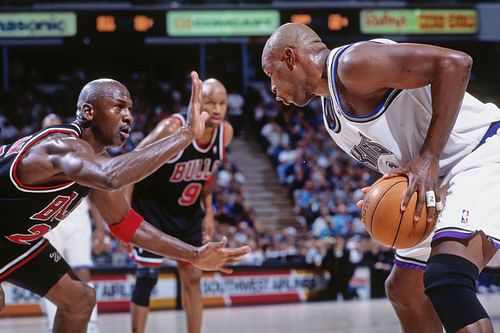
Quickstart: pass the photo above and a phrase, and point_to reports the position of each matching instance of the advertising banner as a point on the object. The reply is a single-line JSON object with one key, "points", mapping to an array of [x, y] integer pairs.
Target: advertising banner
{"points": [[419, 21], [37, 24], [222, 23], [242, 287]]}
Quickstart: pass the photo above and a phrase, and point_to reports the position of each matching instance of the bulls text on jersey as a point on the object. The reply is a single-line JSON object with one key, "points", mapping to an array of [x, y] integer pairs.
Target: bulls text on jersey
{"points": [[199, 169]]}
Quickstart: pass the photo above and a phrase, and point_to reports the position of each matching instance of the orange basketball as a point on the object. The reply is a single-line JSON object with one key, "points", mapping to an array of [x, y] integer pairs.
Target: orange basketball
{"points": [[384, 220]]}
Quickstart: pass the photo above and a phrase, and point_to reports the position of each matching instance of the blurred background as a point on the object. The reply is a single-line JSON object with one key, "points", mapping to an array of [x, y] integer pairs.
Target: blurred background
{"points": [[284, 188]]}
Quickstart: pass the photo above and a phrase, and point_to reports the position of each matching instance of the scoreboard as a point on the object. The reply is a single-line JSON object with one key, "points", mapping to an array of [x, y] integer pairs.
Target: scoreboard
{"points": [[130, 25]]}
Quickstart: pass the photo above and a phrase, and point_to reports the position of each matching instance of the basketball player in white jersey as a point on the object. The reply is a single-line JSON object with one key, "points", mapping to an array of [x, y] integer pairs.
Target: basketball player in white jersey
{"points": [[403, 109], [73, 240]]}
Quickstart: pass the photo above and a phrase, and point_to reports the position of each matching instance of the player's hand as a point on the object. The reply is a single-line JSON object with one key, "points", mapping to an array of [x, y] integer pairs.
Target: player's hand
{"points": [[422, 173], [214, 256], [365, 190], [2, 298], [195, 117], [208, 228]]}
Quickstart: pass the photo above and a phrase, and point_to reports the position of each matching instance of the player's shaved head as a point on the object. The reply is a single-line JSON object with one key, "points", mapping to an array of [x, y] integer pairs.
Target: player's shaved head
{"points": [[293, 35], [96, 91], [100, 88], [212, 86]]}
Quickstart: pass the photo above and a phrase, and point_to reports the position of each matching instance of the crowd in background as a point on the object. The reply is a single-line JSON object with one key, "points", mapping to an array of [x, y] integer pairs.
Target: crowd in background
{"points": [[322, 181]]}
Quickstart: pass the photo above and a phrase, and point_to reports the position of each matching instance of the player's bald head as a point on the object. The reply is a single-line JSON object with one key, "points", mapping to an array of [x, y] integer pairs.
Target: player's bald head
{"points": [[212, 86], [101, 88], [96, 92], [293, 35]]}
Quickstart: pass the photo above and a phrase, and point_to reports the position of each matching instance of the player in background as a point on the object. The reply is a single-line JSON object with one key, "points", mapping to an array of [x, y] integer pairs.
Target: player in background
{"points": [[403, 109], [44, 176], [177, 199]]}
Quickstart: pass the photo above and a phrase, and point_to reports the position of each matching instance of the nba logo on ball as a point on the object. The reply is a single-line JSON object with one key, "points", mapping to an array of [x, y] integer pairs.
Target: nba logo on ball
{"points": [[465, 216]]}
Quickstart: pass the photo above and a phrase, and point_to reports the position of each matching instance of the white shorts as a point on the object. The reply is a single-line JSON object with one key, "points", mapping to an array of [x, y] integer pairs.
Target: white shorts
{"points": [[73, 237], [470, 203]]}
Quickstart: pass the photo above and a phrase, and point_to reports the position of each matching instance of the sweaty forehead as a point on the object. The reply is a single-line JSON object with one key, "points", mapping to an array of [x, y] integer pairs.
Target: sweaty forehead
{"points": [[116, 91]]}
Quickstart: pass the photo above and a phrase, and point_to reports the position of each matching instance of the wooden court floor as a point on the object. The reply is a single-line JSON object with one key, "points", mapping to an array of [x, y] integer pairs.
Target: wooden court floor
{"points": [[339, 317]]}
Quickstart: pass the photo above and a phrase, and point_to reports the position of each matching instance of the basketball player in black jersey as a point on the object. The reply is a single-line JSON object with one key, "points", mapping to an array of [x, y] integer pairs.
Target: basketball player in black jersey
{"points": [[177, 199], [45, 175]]}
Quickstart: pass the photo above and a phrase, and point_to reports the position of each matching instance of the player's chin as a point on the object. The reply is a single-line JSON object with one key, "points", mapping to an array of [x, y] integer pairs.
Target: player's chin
{"points": [[303, 102], [213, 123]]}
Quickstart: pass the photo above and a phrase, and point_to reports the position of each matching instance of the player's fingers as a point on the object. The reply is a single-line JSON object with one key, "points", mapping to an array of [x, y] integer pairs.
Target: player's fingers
{"points": [[420, 204], [222, 242], [431, 212], [239, 251], [195, 86], [366, 189], [233, 259], [408, 193], [359, 204], [204, 116], [395, 173]]}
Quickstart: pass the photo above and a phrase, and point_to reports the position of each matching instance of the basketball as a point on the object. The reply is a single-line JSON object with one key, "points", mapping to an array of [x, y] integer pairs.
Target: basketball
{"points": [[384, 220]]}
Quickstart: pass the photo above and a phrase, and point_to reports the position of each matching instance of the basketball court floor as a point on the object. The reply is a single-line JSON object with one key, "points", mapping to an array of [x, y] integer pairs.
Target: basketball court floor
{"points": [[340, 317]]}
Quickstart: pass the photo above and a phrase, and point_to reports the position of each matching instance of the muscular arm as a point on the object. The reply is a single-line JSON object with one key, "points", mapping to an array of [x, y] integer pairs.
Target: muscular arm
{"points": [[367, 69], [80, 164], [114, 207], [63, 158]]}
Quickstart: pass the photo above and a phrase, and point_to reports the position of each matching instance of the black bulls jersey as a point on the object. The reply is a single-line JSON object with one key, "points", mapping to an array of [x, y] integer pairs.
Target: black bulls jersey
{"points": [[29, 212], [172, 195]]}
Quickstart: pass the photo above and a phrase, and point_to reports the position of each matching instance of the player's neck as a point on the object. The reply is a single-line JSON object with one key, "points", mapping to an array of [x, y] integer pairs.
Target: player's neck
{"points": [[205, 140], [90, 138], [322, 83]]}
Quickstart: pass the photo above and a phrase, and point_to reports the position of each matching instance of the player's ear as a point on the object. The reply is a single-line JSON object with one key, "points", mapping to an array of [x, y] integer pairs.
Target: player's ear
{"points": [[86, 114], [288, 57]]}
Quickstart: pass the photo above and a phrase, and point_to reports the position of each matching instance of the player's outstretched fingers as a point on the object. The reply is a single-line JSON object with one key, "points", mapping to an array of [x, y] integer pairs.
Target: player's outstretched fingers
{"points": [[431, 199], [237, 251]]}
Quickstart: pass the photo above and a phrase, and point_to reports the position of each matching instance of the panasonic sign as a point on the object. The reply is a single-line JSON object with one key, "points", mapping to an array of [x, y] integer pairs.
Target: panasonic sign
{"points": [[39, 24]]}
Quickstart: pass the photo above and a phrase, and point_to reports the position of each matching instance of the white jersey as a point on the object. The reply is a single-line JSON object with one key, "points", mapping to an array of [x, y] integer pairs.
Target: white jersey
{"points": [[394, 132]]}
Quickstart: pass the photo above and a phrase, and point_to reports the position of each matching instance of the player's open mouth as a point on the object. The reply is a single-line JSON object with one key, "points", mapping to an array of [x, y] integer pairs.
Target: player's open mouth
{"points": [[125, 132]]}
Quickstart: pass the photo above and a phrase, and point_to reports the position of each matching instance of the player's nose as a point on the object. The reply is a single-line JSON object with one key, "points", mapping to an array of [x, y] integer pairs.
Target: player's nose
{"points": [[273, 89], [127, 116]]}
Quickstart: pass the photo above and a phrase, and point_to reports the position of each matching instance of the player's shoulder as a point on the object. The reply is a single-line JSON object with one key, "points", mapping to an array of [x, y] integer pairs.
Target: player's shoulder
{"points": [[171, 123], [228, 133]]}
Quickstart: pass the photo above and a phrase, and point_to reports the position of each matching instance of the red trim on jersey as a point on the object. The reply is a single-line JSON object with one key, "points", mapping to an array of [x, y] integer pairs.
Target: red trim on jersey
{"points": [[24, 261], [26, 147], [147, 263], [206, 149], [223, 140]]}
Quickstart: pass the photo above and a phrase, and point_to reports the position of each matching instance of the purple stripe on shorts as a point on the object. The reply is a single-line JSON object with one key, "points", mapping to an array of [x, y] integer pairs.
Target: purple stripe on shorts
{"points": [[451, 234], [404, 264], [495, 242]]}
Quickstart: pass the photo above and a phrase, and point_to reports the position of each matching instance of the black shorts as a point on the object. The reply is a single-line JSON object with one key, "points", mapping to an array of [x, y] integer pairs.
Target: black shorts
{"points": [[191, 236], [37, 267]]}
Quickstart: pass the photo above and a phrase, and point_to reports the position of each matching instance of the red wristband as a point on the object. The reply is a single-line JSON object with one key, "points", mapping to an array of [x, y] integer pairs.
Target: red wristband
{"points": [[127, 227]]}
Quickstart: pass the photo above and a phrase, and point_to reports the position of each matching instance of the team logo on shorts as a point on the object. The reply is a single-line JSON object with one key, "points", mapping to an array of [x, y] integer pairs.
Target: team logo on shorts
{"points": [[465, 216], [55, 256]]}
